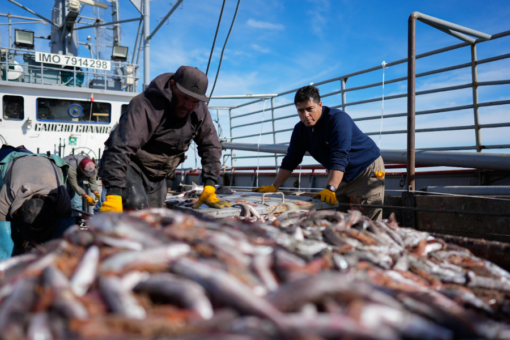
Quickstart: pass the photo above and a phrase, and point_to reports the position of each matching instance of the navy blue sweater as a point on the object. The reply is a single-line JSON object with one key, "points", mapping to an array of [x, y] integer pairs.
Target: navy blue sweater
{"points": [[335, 142]]}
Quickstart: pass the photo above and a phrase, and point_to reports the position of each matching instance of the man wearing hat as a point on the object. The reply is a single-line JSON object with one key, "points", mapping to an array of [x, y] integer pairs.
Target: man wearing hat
{"points": [[151, 139], [81, 168]]}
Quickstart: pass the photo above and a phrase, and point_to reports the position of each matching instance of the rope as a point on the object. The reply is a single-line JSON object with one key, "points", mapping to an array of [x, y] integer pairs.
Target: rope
{"points": [[223, 50], [258, 143], [215, 36], [382, 109]]}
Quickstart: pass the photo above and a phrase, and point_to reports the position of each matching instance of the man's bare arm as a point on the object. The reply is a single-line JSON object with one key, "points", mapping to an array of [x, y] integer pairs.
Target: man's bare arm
{"points": [[281, 177], [335, 178]]}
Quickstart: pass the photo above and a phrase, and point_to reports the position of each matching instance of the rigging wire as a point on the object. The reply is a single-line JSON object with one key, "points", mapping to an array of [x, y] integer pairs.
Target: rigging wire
{"points": [[382, 109], [215, 36], [258, 143], [223, 50]]}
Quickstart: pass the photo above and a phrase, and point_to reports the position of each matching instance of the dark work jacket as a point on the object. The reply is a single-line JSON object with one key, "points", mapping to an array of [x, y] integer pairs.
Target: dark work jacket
{"points": [[151, 136], [335, 141]]}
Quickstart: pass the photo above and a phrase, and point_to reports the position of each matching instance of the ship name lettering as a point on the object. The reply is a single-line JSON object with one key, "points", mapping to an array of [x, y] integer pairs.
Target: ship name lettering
{"points": [[70, 128]]}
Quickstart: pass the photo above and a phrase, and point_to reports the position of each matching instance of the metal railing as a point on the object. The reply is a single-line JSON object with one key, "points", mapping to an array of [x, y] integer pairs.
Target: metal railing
{"points": [[474, 84], [21, 63]]}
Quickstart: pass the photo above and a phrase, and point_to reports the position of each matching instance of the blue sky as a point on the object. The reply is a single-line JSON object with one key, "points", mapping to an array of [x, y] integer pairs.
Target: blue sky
{"points": [[282, 45]]}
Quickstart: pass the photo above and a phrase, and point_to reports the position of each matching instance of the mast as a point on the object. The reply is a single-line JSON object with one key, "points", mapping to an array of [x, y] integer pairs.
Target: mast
{"points": [[146, 41]]}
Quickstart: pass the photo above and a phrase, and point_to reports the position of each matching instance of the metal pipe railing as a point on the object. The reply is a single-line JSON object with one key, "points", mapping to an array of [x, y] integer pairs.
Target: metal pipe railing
{"points": [[474, 85]]}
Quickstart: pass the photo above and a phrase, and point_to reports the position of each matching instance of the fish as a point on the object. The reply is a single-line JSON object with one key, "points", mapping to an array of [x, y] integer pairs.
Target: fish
{"points": [[261, 265], [127, 227], [39, 327], [119, 300], [297, 275], [85, 273], [15, 308], [128, 260], [119, 243], [226, 288], [185, 293], [63, 298]]}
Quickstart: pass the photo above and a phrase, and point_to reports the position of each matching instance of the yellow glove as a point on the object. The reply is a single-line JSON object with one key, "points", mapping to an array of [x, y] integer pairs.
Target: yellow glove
{"points": [[112, 204], [265, 188], [380, 174], [209, 197], [91, 201], [327, 196], [98, 194]]}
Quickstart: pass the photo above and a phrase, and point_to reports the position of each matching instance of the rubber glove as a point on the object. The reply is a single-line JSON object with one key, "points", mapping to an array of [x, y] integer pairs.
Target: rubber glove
{"points": [[380, 174], [266, 188], [98, 194], [209, 197], [91, 201], [112, 204], [327, 196]]}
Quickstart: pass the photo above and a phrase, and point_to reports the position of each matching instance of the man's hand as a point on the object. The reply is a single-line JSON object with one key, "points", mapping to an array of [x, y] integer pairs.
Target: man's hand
{"points": [[90, 201], [112, 204], [327, 196], [209, 197], [266, 188], [97, 193]]}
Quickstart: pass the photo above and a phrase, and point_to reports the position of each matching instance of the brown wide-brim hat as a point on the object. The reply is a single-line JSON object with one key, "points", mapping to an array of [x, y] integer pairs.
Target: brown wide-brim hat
{"points": [[191, 81]]}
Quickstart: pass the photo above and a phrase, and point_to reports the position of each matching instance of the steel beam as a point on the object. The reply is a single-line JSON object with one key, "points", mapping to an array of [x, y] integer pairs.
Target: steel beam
{"points": [[107, 23], [411, 97], [427, 19], [146, 44], [494, 161], [164, 19], [471, 190], [34, 13], [474, 78]]}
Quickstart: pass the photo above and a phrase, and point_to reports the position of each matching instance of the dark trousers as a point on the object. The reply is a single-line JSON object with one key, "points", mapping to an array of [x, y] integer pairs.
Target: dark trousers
{"points": [[140, 192]]}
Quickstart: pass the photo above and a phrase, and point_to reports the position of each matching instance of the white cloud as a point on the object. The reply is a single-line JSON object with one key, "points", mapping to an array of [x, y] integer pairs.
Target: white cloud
{"points": [[264, 25], [260, 48]]}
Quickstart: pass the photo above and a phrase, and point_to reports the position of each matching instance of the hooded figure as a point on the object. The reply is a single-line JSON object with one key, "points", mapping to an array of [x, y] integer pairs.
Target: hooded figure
{"points": [[151, 139], [81, 168], [33, 199]]}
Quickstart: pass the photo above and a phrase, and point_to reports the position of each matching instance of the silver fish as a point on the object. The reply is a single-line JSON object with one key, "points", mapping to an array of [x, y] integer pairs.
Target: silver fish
{"points": [[120, 301], [65, 301], [155, 256], [119, 243], [410, 326], [185, 293], [333, 326], [85, 272], [39, 327], [226, 288], [127, 227], [15, 308], [261, 265]]}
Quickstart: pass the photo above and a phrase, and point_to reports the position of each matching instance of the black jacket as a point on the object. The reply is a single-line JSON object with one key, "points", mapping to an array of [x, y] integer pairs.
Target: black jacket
{"points": [[150, 135]]}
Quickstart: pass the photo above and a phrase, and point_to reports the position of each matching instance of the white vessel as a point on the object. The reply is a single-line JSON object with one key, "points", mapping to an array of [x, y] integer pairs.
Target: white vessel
{"points": [[58, 101]]}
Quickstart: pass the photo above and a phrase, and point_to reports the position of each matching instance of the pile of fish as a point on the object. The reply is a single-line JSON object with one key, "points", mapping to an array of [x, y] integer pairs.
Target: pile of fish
{"points": [[309, 275]]}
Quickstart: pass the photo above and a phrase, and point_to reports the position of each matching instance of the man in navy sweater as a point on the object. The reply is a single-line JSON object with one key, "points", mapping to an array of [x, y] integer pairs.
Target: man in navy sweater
{"points": [[353, 160]]}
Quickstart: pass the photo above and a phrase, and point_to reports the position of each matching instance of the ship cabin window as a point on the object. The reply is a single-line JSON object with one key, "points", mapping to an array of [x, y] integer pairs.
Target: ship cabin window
{"points": [[14, 107], [123, 109], [79, 111]]}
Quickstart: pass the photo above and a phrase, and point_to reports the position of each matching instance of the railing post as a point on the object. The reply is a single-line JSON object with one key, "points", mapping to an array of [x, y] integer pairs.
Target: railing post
{"points": [[344, 96], [274, 134], [231, 139], [411, 92], [474, 77]]}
